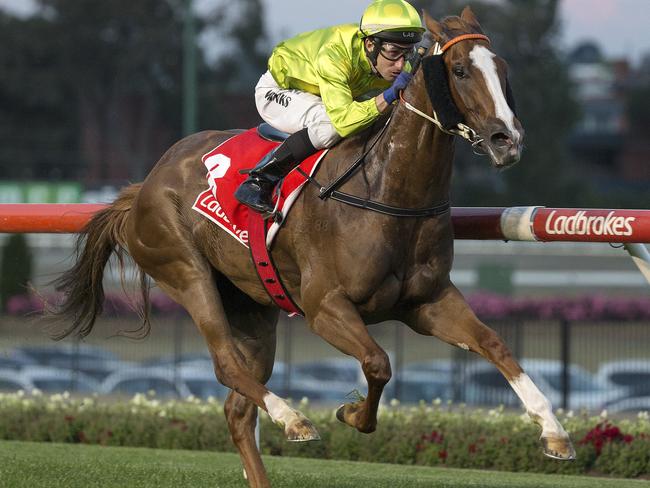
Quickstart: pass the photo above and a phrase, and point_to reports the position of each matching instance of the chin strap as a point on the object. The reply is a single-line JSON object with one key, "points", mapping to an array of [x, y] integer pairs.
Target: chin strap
{"points": [[373, 55]]}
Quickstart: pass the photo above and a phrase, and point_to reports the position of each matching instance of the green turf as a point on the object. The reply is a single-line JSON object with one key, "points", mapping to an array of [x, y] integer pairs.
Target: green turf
{"points": [[35, 465]]}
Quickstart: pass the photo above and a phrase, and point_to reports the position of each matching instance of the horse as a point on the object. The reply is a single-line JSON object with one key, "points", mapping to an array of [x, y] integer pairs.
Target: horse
{"points": [[344, 266]]}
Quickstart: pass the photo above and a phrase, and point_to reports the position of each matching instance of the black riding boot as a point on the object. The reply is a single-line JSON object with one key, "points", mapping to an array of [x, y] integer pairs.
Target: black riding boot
{"points": [[257, 190]]}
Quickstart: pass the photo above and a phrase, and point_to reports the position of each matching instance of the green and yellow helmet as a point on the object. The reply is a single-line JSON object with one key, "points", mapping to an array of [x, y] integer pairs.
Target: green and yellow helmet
{"points": [[392, 20]]}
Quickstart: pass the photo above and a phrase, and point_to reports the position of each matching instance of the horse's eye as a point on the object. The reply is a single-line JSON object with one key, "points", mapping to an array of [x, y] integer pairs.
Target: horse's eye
{"points": [[459, 71]]}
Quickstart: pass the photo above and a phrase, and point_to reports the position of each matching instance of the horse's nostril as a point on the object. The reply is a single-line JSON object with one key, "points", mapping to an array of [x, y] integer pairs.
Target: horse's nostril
{"points": [[501, 140]]}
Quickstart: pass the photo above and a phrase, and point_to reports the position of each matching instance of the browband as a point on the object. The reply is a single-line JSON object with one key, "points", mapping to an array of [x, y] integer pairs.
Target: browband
{"points": [[464, 37]]}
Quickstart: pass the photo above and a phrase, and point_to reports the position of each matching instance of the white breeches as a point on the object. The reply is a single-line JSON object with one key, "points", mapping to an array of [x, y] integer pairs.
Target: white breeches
{"points": [[293, 110]]}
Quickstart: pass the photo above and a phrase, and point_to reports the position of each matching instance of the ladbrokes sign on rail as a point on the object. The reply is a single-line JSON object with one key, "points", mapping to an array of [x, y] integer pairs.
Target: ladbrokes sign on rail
{"points": [[597, 225], [581, 224]]}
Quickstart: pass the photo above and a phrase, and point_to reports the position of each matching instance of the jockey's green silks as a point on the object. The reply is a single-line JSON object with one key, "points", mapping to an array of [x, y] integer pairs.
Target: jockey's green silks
{"points": [[331, 63]]}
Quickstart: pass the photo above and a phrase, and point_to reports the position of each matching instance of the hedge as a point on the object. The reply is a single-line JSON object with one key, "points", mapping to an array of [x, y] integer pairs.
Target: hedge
{"points": [[433, 434]]}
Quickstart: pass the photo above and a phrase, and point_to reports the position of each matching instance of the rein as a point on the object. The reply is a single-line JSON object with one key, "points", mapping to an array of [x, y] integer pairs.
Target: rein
{"points": [[460, 129], [367, 204]]}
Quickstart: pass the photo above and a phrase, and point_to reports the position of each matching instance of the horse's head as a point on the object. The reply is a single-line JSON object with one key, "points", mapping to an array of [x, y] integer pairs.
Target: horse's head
{"points": [[477, 81]]}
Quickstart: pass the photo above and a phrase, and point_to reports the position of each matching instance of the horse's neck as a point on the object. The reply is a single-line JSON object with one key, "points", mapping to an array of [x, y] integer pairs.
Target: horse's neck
{"points": [[412, 165]]}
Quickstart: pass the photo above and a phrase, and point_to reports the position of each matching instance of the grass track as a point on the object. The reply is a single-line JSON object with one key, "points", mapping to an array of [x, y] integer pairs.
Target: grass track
{"points": [[41, 465]]}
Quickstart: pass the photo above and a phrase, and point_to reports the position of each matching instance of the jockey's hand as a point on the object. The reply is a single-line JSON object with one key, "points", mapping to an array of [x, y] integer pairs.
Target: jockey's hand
{"points": [[392, 93]]}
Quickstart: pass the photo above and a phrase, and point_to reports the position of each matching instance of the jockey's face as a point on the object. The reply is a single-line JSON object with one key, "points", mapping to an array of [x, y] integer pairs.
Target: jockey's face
{"points": [[391, 58]]}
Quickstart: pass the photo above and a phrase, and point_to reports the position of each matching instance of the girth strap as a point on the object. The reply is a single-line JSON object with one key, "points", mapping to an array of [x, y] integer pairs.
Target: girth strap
{"points": [[266, 270]]}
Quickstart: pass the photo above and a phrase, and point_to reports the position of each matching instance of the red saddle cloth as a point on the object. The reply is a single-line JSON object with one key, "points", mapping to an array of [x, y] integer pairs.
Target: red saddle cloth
{"points": [[223, 164]]}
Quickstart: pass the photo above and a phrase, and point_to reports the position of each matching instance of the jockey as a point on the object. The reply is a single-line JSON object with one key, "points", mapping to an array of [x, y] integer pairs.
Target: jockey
{"points": [[314, 83]]}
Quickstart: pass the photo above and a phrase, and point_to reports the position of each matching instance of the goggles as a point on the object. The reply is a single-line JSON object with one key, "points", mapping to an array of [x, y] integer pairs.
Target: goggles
{"points": [[395, 52]]}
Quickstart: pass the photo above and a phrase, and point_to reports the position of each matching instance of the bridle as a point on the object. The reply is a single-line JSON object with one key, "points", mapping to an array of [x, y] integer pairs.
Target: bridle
{"points": [[462, 130]]}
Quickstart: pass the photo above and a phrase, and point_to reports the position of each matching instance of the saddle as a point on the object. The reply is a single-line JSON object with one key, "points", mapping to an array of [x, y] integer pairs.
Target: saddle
{"points": [[270, 133], [224, 165]]}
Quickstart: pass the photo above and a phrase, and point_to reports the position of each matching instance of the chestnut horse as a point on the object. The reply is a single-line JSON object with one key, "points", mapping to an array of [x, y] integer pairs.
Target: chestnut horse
{"points": [[344, 266]]}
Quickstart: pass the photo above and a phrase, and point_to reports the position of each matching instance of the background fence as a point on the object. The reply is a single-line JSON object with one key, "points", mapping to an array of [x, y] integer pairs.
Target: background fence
{"points": [[577, 364], [589, 353]]}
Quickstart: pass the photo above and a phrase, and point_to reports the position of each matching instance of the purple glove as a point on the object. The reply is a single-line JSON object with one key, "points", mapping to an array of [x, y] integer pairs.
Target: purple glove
{"points": [[391, 94]]}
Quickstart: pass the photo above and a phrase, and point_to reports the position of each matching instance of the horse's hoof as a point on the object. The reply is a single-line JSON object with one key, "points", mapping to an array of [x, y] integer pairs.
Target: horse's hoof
{"points": [[348, 414], [340, 414], [301, 430], [558, 448]]}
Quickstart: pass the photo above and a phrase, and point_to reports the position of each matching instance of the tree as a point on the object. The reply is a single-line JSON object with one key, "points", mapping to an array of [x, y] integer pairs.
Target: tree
{"points": [[240, 32], [111, 71], [38, 131], [121, 59], [16, 268], [637, 107]]}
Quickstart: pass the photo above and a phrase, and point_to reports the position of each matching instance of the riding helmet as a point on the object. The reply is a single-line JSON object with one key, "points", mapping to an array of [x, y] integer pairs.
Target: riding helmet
{"points": [[392, 20]]}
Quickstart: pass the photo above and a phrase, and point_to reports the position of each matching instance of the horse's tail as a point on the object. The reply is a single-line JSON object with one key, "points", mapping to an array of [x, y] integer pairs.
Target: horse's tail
{"points": [[81, 286]]}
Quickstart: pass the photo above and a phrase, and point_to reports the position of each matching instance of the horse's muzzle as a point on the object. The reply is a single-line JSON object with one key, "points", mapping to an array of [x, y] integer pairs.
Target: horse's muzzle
{"points": [[503, 147]]}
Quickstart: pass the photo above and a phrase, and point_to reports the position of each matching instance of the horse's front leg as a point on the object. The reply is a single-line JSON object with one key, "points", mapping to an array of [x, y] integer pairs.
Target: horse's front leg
{"points": [[450, 319], [335, 318]]}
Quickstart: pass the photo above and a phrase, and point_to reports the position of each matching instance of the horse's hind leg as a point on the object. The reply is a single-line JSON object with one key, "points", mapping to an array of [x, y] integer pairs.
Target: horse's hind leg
{"points": [[165, 251], [254, 336], [241, 415], [203, 302], [450, 319]]}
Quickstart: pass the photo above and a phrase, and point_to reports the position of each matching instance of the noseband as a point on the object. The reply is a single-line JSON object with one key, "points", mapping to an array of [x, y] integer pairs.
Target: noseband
{"points": [[457, 128]]}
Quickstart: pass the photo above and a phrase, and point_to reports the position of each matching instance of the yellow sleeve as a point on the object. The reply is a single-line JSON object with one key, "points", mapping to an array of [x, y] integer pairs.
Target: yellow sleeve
{"points": [[348, 116]]}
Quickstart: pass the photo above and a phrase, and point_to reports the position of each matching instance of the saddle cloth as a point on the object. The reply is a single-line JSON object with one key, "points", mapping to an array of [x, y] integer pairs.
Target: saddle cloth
{"points": [[223, 164]]}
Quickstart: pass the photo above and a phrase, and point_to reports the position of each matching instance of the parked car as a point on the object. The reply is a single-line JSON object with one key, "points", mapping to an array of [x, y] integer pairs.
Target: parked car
{"points": [[414, 387], [194, 359], [633, 405], [441, 368], [93, 361], [334, 380], [12, 380], [446, 373], [202, 382], [143, 380], [68, 351], [486, 385], [303, 383], [633, 375], [324, 392], [341, 369], [49, 379], [14, 359]]}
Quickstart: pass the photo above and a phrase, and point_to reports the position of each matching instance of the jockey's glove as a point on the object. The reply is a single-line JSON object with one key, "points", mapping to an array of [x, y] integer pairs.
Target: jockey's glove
{"points": [[392, 93]]}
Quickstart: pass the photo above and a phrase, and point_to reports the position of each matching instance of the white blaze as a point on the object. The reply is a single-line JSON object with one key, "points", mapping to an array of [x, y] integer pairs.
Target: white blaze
{"points": [[483, 59]]}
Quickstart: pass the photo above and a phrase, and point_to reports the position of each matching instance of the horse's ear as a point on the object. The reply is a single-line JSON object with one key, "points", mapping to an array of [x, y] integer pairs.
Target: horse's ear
{"points": [[434, 27], [469, 18]]}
